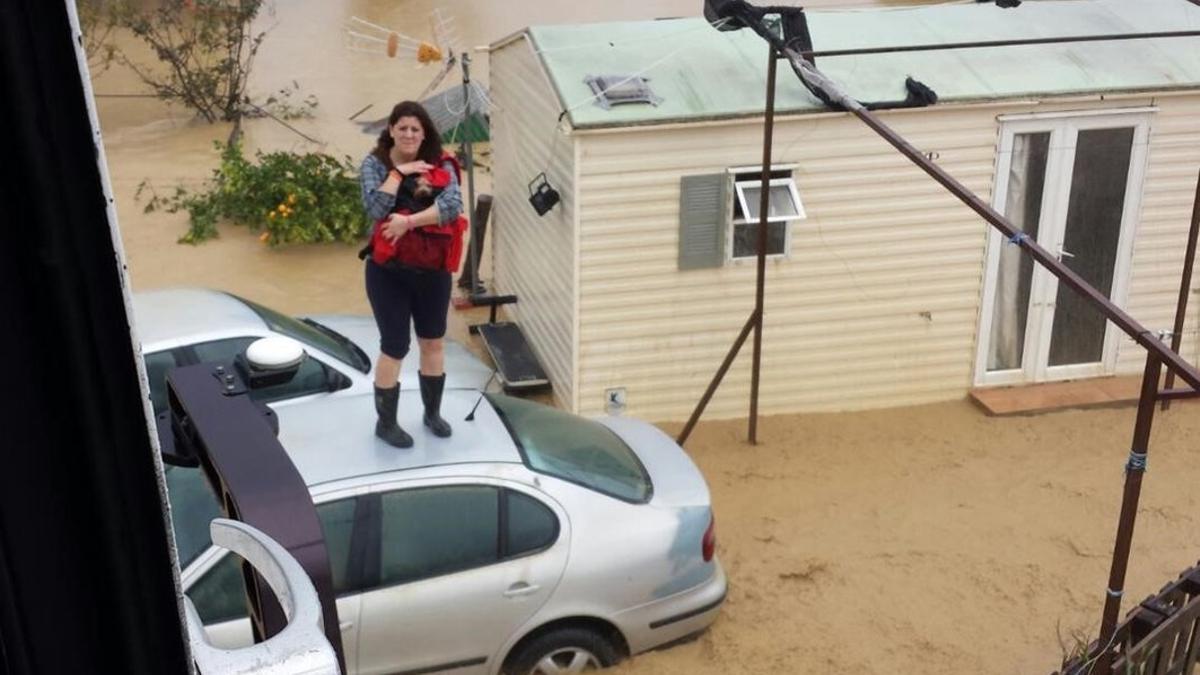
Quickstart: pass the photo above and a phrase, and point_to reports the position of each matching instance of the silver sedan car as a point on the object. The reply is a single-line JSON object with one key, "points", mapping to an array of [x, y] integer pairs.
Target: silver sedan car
{"points": [[531, 541]]}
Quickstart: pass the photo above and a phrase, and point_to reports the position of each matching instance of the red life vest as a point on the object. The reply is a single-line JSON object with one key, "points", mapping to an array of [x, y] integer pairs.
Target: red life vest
{"points": [[432, 246]]}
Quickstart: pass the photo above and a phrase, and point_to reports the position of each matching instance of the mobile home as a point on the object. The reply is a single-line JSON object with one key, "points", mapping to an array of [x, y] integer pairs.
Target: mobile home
{"points": [[882, 288]]}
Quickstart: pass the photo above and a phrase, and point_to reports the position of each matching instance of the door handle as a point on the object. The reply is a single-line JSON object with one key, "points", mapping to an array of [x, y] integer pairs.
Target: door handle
{"points": [[346, 625], [521, 589], [1063, 253]]}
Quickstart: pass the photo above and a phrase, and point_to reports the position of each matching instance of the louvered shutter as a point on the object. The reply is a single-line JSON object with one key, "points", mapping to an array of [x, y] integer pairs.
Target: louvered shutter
{"points": [[702, 220]]}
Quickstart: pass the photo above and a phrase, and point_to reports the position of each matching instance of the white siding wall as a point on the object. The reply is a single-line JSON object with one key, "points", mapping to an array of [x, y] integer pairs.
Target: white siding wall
{"points": [[877, 305], [534, 257], [1158, 253]]}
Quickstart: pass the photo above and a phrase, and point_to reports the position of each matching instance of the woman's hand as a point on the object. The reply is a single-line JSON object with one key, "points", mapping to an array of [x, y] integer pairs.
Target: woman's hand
{"points": [[415, 166], [396, 226]]}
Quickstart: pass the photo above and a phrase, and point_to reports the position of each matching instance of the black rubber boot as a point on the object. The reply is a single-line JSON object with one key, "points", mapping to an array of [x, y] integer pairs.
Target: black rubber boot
{"points": [[431, 396], [386, 403]]}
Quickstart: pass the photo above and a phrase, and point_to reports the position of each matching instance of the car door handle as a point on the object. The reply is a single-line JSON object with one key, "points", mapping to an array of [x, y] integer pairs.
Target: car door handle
{"points": [[521, 589], [346, 625]]}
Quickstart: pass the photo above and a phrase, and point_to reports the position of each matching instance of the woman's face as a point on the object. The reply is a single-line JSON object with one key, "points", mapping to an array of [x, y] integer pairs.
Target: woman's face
{"points": [[408, 134]]}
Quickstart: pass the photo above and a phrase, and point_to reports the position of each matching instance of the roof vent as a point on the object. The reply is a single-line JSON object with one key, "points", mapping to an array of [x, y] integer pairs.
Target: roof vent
{"points": [[611, 90]]}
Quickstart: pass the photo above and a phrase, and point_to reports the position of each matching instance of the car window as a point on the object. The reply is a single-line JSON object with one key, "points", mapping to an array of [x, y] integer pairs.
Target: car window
{"points": [[219, 595], [531, 525], [311, 378], [573, 448], [157, 365], [193, 506], [337, 523], [427, 532], [313, 334]]}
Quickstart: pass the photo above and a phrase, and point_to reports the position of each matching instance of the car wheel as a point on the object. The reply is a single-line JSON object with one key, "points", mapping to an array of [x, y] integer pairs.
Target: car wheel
{"points": [[566, 650]]}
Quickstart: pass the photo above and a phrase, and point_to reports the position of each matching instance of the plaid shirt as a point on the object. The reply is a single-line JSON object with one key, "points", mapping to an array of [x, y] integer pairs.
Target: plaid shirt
{"points": [[378, 203]]}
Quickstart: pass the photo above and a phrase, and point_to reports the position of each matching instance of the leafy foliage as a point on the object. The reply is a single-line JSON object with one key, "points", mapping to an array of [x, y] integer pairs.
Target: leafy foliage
{"points": [[291, 198], [207, 48]]}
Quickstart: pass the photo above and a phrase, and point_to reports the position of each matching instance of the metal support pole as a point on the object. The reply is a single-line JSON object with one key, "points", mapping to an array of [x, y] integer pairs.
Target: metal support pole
{"points": [[716, 381], [763, 204], [470, 161], [1134, 469], [1185, 282]]}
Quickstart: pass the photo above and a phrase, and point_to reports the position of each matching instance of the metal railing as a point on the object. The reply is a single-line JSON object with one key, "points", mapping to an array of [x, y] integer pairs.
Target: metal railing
{"points": [[1161, 636]]}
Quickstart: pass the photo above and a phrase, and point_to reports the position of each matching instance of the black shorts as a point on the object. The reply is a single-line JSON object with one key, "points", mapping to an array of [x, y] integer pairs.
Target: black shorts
{"points": [[400, 295]]}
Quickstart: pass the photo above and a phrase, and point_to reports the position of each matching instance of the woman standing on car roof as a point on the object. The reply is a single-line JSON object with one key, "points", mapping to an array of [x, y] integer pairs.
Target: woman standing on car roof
{"points": [[401, 293]]}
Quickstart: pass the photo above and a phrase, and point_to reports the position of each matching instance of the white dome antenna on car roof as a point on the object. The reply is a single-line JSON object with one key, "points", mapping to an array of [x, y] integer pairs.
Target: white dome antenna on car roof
{"points": [[270, 360]]}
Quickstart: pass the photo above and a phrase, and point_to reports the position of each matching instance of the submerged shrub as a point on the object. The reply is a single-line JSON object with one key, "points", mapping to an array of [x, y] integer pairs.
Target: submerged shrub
{"points": [[289, 197]]}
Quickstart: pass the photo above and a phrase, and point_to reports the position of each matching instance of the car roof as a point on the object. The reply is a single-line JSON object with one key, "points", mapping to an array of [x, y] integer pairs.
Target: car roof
{"points": [[178, 313], [334, 439]]}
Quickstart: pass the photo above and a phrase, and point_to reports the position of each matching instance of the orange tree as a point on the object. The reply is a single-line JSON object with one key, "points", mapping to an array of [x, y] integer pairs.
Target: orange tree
{"points": [[288, 197]]}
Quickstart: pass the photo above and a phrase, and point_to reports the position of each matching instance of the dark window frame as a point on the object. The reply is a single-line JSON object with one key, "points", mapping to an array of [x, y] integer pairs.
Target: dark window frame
{"points": [[372, 579], [375, 548]]}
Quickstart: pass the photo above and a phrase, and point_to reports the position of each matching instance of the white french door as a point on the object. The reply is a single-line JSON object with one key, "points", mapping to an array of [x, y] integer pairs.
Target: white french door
{"points": [[1073, 183]]}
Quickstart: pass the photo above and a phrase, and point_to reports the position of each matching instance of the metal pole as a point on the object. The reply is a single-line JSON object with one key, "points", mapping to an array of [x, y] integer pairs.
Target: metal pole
{"points": [[1185, 282], [1134, 469], [712, 386], [763, 204], [470, 157], [997, 43]]}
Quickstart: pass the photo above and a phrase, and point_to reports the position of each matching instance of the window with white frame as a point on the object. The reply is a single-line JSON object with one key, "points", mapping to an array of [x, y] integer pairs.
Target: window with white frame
{"points": [[783, 208]]}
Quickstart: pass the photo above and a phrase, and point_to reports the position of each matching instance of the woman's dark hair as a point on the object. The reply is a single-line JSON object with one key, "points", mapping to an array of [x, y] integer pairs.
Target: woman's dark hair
{"points": [[431, 148]]}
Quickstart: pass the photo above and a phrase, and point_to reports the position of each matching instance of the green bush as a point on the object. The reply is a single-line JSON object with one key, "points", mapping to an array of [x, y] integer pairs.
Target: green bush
{"points": [[289, 197]]}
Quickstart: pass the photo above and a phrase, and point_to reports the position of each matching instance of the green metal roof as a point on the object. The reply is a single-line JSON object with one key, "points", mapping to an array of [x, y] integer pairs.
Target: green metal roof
{"points": [[702, 73]]}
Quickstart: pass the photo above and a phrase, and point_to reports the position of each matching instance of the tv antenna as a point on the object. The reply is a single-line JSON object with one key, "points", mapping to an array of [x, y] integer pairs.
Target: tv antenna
{"points": [[370, 38]]}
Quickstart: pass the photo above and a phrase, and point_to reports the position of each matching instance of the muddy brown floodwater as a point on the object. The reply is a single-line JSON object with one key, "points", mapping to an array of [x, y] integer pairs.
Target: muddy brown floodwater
{"points": [[919, 540]]}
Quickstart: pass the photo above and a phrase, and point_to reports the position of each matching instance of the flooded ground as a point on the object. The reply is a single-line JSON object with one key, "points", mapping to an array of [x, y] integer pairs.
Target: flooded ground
{"points": [[919, 540]]}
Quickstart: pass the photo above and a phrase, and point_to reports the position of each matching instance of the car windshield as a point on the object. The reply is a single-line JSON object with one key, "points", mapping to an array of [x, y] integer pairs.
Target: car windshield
{"points": [[573, 448], [313, 334]]}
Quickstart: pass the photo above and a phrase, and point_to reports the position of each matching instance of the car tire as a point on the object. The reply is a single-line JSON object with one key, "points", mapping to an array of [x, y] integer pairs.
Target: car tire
{"points": [[564, 650]]}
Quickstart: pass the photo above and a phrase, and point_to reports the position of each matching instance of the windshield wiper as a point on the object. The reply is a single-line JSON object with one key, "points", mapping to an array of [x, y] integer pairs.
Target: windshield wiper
{"points": [[364, 362]]}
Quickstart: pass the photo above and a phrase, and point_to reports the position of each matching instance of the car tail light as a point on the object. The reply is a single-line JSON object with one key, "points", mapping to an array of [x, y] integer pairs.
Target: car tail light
{"points": [[708, 545]]}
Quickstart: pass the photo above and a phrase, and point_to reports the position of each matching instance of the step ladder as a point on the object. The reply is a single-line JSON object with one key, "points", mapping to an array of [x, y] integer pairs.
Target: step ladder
{"points": [[516, 364]]}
